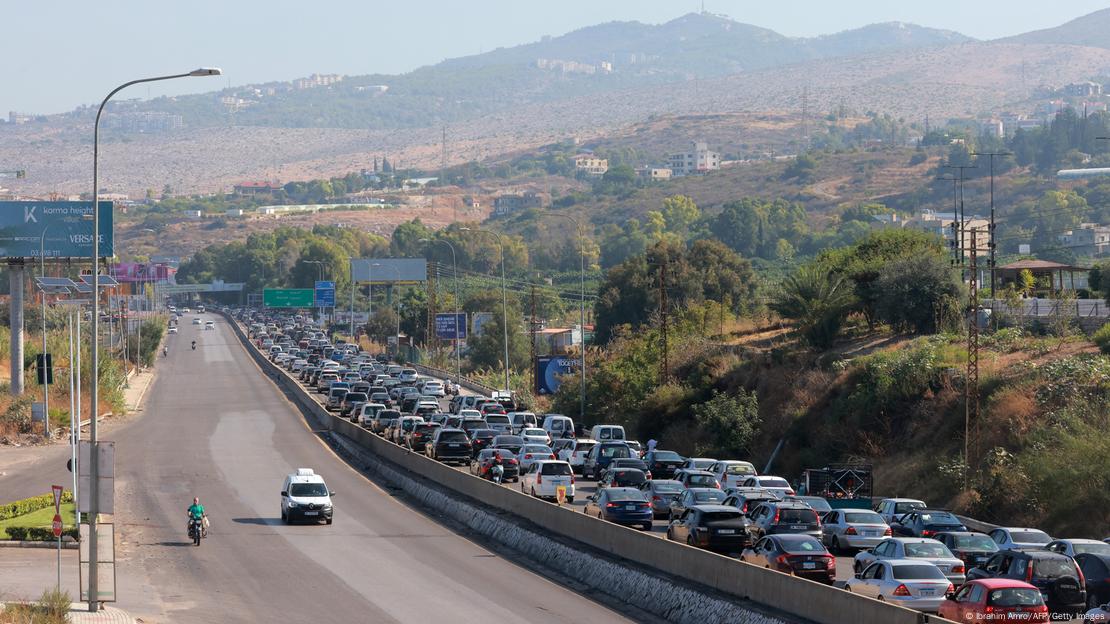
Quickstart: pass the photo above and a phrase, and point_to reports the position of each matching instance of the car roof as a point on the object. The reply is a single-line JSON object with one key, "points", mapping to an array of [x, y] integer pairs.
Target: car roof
{"points": [[704, 489], [1078, 540], [698, 472], [1002, 583], [914, 540], [622, 489], [902, 500], [550, 461], [852, 509], [792, 537], [713, 508]]}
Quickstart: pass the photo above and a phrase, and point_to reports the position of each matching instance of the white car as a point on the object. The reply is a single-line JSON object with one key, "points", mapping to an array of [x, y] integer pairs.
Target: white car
{"points": [[196, 320], [778, 485], [531, 453], [1073, 547], [575, 453], [172, 330], [368, 412], [298, 364], [469, 414], [209, 325], [305, 496], [1011, 538], [544, 478], [916, 548], [893, 508], [910, 583], [731, 473], [535, 435]]}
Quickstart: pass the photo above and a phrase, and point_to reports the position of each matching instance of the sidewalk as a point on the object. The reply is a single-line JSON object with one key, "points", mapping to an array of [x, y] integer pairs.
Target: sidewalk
{"points": [[79, 614], [136, 389]]}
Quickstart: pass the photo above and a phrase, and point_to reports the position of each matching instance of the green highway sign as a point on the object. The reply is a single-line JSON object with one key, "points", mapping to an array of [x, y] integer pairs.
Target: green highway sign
{"points": [[287, 297]]}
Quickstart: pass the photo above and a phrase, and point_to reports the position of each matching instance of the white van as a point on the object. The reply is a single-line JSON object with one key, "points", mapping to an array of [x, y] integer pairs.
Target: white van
{"points": [[575, 453], [305, 496], [521, 421], [558, 426], [607, 433]]}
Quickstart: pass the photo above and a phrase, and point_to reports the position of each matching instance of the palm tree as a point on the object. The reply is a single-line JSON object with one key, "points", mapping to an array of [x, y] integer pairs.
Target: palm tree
{"points": [[818, 300]]}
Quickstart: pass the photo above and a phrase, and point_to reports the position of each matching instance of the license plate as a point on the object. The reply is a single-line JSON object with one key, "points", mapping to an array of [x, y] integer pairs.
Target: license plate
{"points": [[726, 531], [630, 508], [453, 445], [809, 565], [797, 527], [311, 513], [926, 592]]}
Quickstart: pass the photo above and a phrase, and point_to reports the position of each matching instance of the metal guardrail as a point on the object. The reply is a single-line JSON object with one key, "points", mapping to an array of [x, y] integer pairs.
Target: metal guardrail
{"points": [[465, 382]]}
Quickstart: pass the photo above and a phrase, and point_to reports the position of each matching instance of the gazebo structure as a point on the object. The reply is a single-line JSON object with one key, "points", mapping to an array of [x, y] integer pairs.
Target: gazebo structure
{"points": [[1054, 271]]}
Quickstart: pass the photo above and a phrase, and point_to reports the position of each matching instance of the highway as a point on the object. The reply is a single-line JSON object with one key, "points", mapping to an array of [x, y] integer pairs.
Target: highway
{"points": [[215, 427]]}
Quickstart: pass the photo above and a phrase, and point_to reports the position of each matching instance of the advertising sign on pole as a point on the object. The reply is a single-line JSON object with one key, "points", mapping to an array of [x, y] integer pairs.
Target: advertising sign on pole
{"points": [[389, 270], [287, 297], [59, 229], [324, 295], [451, 326], [548, 370]]}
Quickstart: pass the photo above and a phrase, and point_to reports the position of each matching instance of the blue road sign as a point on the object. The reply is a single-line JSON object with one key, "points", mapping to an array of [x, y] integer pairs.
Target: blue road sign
{"points": [[59, 229], [451, 326], [325, 295]]}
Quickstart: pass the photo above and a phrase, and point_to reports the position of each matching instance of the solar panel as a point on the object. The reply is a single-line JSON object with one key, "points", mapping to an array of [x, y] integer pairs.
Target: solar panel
{"points": [[106, 281], [83, 288], [55, 285]]}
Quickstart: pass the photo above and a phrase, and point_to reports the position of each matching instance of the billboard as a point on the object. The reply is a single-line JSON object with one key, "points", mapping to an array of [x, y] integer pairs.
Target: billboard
{"points": [[389, 270], [548, 370], [325, 295], [480, 319], [287, 297], [451, 326], [61, 229]]}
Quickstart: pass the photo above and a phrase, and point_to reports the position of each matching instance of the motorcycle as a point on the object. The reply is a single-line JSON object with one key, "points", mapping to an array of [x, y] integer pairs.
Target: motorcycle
{"points": [[496, 473], [165, 351], [197, 530], [194, 345]]}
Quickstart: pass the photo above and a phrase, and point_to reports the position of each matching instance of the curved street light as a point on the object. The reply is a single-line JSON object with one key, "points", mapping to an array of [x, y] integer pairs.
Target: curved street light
{"points": [[581, 308], [504, 299], [455, 273], [93, 593]]}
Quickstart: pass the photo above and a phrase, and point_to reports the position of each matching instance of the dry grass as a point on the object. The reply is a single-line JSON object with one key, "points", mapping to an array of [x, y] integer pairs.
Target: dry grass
{"points": [[52, 608]]}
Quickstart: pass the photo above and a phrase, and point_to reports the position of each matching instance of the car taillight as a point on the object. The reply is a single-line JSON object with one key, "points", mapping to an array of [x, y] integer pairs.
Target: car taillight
{"points": [[958, 569], [902, 591], [887, 532], [776, 516], [528, 456], [1029, 573], [572, 478], [850, 531], [783, 560], [790, 492], [927, 533], [551, 456], [744, 509], [951, 589], [611, 505], [657, 498], [648, 475], [830, 562], [716, 484], [988, 609], [539, 477], [1078, 572]]}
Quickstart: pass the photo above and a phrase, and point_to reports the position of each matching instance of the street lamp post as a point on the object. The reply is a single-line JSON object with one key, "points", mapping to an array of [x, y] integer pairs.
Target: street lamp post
{"points": [[581, 310], [455, 274], [320, 271], [94, 603], [504, 300], [396, 300]]}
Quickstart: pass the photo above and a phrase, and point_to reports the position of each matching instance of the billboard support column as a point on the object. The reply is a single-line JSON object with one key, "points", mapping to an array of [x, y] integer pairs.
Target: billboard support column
{"points": [[15, 279]]}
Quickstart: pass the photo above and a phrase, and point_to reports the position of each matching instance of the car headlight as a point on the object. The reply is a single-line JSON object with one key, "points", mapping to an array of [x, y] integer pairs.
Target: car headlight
{"points": [[292, 505], [327, 506]]}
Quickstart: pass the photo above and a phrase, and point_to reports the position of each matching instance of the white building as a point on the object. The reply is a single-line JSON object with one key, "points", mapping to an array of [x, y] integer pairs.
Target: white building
{"points": [[592, 166], [700, 159]]}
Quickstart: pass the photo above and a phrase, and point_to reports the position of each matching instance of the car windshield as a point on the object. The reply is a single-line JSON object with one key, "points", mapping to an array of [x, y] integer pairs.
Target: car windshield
{"points": [[584, 447], [773, 482], [722, 516], [808, 545], [925, 549], [629, 477], [815, 502], [696, 480], [615, 451], [797, 516], [940, 517], [740, 469], [977, 542], [667, 487], [917, 573], [384, 414], [308, 489], [500, 419], [863, 517], [355, 396], [906, 507], [513, 440], [1053, 568], [1014, 597], [709, 496], [666, 456], [555, 468], [534, 432], [1030, 537], [624, 494], [537, 448], [452, 436], [1101, 548]]}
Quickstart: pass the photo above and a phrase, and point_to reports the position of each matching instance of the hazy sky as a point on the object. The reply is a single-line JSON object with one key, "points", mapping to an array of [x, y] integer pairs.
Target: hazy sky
{"points": [[58, 54]]}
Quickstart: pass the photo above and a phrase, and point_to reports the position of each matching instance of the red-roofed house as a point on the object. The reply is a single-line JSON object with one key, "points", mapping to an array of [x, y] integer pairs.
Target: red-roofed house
{"points": [[254, 189]]}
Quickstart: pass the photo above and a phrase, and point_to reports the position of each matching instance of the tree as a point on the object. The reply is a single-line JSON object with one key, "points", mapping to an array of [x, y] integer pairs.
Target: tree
{"points": [[382, 325], [488, 350], [818, 300], [406, 237], [914, 292], [728, 424]]}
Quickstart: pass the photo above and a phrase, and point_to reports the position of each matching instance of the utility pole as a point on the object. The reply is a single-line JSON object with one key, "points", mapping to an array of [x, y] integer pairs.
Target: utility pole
{"points": [[990, 232], [971, 384], [961, 230], [429, 339], [532, 342]]}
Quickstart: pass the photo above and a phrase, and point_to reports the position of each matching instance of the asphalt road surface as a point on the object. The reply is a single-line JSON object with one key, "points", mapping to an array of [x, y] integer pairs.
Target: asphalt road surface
{"points": [[214, 427]]}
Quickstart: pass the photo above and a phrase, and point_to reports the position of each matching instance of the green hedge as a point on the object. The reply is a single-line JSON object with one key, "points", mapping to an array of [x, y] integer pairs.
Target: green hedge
{"points": [[36, 534], [28, 505]]}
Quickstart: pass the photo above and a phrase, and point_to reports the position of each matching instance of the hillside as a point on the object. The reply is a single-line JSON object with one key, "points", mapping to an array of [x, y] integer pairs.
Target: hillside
{"points": [[1089, 30]]}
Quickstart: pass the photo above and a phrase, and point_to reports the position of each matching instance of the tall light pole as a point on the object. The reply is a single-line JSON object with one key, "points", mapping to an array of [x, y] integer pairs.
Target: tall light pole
{"points": [[504, 300], [581, 309], [45, 386], [455, 274], [320, 266], [94, 603]]}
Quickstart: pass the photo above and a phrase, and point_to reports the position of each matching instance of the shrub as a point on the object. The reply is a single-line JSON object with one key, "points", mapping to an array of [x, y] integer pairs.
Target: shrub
{"points": [[28, 505], [1102, 338], [728, 422], [36, 534]]}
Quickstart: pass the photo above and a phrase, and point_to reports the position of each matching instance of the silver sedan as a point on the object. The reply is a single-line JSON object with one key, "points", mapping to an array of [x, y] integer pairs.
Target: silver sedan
{"points": [[910, 583], [917, 548], [853, 528]]}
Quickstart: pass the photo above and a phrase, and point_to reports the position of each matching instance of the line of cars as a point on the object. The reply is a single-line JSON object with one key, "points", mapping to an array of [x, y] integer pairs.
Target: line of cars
{"points": [[908, 554]]}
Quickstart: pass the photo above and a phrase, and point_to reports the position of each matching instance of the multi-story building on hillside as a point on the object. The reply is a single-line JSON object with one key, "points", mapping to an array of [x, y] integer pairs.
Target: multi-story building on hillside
{"points": [[699, 159]]}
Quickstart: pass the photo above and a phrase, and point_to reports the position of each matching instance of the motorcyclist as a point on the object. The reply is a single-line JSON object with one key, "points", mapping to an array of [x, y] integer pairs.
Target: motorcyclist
{"points": [[165, 351], [196, 512], [194, 345], [496, 465]]}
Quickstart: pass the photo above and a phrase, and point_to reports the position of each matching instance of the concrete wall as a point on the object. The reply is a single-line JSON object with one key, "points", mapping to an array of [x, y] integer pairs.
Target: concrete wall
{"points": [[778, 592]]}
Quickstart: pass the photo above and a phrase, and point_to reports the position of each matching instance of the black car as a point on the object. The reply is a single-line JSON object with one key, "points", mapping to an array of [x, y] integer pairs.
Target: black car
{"points": [[663, 463], [974, 549], [449, 445], [481, 439], [775, 517], [1056, 575], [712, 527], [927, 523], [421, 434], [747, 501], [511, 442], [1096, 573], [631, 462], [622, 477], [694, 496]]}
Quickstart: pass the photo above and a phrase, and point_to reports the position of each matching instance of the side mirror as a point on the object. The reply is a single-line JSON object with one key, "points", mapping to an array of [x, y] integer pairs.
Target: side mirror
{"points": [[950, 597], [331, 494], [858, 574], [284, 493]]}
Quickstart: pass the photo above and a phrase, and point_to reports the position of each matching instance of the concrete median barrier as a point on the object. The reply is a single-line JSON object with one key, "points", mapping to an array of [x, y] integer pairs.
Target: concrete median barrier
{"points": [[768, 593]]}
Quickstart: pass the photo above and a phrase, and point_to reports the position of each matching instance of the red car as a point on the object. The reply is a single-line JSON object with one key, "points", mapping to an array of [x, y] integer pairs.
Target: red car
{"points": [[995, 600]]}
